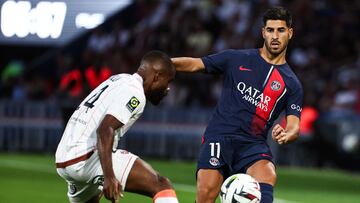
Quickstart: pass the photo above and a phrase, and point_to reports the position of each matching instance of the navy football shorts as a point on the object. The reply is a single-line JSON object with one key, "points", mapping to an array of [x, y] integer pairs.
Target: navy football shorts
{"points": [[232, 155]]}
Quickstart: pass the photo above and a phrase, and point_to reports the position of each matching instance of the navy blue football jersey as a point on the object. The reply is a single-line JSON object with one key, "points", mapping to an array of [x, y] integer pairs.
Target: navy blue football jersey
{"points": [[254, 94]]}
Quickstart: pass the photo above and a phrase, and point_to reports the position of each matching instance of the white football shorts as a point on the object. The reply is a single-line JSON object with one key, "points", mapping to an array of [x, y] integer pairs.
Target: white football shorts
{"points": [[85, 179]]}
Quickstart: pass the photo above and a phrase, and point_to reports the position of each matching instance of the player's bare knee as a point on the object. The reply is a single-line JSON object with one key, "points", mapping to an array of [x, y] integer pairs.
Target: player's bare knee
{"points": [[271, 174], [269, 177], [161, 183], [164, 182], [273, 178], [207, 192]]}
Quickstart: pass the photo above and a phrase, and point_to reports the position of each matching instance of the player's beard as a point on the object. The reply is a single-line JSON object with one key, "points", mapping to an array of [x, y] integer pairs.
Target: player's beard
{"points": [[156, 96], [279, 50]]}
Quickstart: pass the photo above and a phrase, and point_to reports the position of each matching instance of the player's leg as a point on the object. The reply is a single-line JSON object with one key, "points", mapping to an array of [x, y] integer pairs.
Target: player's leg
{"points": [[211, 168], [264, 172], [143, 179], [208, 185], [78, 189], [95, 199], [256, 160]]}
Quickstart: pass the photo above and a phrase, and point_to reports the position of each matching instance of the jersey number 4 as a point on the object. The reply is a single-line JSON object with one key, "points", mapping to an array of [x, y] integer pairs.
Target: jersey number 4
{"points": [[90, 102]]}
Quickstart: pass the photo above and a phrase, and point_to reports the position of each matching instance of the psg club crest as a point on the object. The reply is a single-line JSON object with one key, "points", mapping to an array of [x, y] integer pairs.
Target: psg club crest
{"points": [[214, 161], [275, 85]]}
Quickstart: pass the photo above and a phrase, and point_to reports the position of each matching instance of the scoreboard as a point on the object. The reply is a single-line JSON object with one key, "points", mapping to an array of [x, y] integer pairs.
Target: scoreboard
{"points": [[53, 23]]}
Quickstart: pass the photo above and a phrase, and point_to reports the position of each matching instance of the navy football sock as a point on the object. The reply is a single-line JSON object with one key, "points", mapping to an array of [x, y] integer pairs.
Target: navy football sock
{"points": [[266, 193]]}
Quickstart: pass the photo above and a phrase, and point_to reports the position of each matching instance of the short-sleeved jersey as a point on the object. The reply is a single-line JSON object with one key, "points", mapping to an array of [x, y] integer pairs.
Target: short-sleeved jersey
{"points": [[254, 94], [121, 96]]}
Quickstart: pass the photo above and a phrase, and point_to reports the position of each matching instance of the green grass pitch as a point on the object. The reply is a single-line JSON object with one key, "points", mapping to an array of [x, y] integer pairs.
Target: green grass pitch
{"points": [[32, 178]]}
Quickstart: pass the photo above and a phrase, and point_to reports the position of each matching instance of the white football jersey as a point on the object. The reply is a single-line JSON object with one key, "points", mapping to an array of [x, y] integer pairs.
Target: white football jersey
{"points": [[121, 96]]}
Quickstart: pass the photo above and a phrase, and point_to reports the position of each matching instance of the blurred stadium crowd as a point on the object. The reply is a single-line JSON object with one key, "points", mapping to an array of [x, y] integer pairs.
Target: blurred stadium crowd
{"points": [[325, 51]]}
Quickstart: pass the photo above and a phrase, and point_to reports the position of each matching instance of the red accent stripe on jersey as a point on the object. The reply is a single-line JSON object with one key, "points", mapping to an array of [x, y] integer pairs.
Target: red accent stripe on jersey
{"points": [[74, 161], [261, 116]]}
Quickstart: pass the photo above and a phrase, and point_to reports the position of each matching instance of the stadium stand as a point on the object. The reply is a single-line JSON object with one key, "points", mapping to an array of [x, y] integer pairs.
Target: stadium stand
{"points": [[325, 54]]}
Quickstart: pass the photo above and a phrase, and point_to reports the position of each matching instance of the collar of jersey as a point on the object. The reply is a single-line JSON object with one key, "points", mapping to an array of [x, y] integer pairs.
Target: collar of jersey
{"points": [[276, 65]]}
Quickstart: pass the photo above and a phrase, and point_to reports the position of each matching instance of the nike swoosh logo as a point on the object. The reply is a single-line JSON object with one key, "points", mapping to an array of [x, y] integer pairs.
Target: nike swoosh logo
{"points": [[242, 68], [266, 155]]}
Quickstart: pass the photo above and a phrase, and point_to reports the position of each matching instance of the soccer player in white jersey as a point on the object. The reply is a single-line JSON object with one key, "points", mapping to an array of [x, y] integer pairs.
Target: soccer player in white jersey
{"points": [[87, 156]]}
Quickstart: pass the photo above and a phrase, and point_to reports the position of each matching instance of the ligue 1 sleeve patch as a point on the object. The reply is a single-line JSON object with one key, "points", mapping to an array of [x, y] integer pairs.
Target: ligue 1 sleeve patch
{"points": [[132, 104]]}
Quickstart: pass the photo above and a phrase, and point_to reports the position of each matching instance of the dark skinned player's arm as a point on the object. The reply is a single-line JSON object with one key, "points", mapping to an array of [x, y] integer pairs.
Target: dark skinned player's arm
{"points": [[188, 64], [105, 135]]}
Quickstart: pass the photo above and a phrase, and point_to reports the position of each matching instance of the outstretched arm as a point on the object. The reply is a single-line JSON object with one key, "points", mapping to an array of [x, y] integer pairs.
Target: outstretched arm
{"points": [[290, 133], [188, 64], [105, 135]]}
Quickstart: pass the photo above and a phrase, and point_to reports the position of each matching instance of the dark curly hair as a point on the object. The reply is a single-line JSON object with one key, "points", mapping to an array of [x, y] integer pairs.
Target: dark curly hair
{"points": [[278, 13]]}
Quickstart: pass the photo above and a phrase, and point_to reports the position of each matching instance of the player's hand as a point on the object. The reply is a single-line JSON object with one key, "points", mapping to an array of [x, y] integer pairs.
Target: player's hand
{"points": [[279, 135], [112, 189]]}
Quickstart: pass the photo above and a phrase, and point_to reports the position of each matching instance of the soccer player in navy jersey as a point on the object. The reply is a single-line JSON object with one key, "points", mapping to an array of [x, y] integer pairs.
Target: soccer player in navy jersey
{"points": [[258, 86]]}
